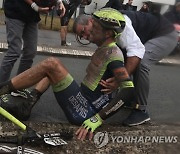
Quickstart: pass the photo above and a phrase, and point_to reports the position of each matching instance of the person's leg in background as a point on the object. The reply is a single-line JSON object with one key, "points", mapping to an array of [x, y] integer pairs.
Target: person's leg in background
{"points": [[14, 30], [64, 29], [156, 49], [30, 35], [70, 9], [63, 34]]}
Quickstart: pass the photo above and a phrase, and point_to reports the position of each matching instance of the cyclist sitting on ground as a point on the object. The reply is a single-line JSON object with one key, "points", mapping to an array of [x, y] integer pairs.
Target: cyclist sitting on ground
{"points": [[85, 104], [159, 39]]}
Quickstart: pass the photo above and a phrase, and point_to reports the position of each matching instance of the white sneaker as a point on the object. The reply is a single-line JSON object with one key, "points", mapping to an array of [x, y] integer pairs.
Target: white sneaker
{"points": [[66, 44]]}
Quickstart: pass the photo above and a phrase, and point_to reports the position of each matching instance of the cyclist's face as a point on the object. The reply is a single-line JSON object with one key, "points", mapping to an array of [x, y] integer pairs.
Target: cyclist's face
{"points": [[84, 30], [97, 34]]}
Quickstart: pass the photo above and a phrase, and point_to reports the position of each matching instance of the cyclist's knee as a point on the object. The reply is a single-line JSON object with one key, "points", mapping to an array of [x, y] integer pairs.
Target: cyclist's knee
{"points": [[51, 63]]}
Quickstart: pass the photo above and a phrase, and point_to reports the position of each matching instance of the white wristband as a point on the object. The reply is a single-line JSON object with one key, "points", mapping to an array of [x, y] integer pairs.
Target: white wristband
{"points": [[59, 1], [35, 7]]}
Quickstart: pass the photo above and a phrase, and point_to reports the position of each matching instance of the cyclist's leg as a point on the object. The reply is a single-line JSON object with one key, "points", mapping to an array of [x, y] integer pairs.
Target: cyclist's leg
{"points": [[51, 68]]}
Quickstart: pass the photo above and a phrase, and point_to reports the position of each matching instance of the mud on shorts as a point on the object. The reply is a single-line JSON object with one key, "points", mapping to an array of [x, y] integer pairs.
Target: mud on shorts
{"points": [[70, 97]]}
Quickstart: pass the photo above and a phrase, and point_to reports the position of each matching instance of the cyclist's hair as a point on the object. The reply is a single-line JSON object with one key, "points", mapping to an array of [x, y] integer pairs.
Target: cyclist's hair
{"points": [[80, 20]]}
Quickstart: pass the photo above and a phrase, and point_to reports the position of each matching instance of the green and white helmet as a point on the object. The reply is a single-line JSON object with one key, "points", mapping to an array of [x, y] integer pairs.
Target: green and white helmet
{"points": [[111, 19]]}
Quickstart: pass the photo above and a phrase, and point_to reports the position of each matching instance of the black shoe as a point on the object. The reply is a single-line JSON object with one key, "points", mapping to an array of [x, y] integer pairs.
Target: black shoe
{"points": [[19, 107], [136, 117], [21, 93], [4, 98]]}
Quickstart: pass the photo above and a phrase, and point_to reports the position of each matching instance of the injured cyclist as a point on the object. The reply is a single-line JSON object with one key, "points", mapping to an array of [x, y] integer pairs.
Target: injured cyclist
{"points": [[107, 61]]}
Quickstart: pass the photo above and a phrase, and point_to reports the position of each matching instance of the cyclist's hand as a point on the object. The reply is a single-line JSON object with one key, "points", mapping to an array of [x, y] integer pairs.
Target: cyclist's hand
{"points": [[109, 85], [89, 126]]}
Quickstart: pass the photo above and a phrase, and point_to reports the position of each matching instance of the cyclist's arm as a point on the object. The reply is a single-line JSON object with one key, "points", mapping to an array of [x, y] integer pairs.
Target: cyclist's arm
{"points": [[125, 94], [135, 52]]}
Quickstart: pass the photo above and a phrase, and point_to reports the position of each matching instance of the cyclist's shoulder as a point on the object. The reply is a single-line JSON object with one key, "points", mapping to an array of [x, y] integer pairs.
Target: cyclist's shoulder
{"points": [[112, 50]]}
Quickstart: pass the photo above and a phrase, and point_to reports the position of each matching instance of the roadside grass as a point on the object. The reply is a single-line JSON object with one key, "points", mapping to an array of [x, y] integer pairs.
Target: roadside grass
{"points": [[47, 22]]}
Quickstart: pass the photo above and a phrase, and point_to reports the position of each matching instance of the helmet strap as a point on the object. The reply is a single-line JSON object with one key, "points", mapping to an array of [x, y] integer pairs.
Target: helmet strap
{"points": [[117, 34]]}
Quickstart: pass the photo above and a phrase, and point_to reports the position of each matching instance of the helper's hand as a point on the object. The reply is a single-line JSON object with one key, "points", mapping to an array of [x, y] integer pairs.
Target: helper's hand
{"points": [[109, 85], [89, 126], [177, 27], [62, 8]]}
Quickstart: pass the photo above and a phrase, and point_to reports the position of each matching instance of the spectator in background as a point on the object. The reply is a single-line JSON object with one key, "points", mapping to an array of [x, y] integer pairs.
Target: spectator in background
{"points": [[115, 4], [71, 6], [173, 15], [21, 18], [128, 6], [144, 8]]}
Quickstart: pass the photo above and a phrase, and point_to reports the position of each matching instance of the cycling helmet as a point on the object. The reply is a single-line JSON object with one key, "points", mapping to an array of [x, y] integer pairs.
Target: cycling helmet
{"points": [[111, 19]]}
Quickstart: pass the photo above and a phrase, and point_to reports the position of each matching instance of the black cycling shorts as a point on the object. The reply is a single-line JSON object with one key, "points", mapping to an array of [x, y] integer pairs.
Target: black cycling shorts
{"points": [[73, 102], [70, 9], [77, 104], [65, 19]]}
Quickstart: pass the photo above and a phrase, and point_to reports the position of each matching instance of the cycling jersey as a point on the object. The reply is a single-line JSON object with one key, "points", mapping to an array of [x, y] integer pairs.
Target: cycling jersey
{"points": [[81, 102]]}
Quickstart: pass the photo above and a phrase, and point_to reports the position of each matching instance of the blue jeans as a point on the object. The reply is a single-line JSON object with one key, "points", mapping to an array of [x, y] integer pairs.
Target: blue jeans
{"points": [[21, 39]]}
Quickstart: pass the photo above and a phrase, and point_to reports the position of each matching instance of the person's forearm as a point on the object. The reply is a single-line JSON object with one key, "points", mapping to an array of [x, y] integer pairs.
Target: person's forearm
{"points": [[131, 64], [33, 5], [29, 1], [125, 95]]}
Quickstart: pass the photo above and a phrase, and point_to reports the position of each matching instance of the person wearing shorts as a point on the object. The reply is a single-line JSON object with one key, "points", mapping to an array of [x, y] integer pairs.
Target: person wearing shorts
{"points": [[71, 6]]}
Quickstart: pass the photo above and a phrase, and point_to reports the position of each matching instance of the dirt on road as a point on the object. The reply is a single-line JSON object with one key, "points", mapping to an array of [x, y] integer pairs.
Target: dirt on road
{"points": [[114, 139]]}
